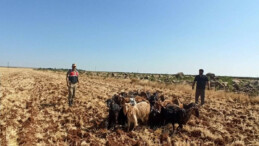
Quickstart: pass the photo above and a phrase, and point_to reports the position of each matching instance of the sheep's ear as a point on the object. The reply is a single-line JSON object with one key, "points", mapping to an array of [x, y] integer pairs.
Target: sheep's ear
{"points": [[123, 101], [180, 105], [179, 101], [124, 110], [160, 103]]}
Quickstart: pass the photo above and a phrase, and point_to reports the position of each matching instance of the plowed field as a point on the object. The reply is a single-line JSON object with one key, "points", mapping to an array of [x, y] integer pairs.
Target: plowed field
{"points": [[35, 111]]}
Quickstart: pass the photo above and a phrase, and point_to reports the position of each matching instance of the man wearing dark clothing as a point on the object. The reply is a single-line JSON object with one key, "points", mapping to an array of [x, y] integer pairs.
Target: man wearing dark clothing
{"points": [[201, 80]]}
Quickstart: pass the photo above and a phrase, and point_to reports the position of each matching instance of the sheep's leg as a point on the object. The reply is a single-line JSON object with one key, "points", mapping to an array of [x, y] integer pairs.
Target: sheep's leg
{"points": [[151, 125], [109, 124], [114, 125], [143, 120], [173, 128], [125, 123], [146, 120], [128, 125], [135, 122], [180, 127]]}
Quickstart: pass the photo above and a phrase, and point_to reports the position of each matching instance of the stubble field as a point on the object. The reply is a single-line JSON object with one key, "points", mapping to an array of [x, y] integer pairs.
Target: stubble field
{"points": [[34, 111]]}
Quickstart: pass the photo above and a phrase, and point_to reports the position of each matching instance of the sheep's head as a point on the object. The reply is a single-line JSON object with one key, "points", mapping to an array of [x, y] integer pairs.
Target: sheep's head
{"points": [[143, 94], [152, 99], [109, 102], [180, 105], [126, 107], [176, 101], [116, 98], [132, 101], [188, 106], [162, 97], [121, 101], [157, 107]]}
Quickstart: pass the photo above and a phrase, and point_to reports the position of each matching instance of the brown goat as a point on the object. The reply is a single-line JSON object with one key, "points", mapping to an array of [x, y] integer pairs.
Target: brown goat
{"points": [[140, 111]]}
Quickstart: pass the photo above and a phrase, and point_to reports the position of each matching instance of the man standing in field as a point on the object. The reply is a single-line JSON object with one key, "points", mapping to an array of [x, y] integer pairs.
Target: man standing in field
{"points": [[72, 83], [201, 80]]}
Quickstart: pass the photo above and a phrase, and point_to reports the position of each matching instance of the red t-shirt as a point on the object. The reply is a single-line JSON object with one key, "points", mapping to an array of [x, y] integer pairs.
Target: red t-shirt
{"points": [[73, 76]]}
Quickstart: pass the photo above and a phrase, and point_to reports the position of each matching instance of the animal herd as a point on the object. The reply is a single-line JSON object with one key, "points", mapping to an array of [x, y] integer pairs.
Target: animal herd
{"points": [[152, 109]]}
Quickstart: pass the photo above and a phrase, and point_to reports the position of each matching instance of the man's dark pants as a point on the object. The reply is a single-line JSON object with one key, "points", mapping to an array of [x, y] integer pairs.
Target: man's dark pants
{"points": [[200, 92]]}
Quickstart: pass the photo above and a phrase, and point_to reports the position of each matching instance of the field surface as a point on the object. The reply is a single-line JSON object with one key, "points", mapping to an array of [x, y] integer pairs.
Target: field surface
{"points": [[34, 111]]}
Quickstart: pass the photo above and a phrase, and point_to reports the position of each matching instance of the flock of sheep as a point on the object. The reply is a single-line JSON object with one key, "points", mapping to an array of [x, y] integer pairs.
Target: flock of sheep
{"points": [[152, 109]]}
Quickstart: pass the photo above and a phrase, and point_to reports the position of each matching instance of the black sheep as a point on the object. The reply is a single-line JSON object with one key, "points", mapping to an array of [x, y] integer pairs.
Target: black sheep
{"points": [[122, 119], [114, 110], [188, 106], [174, 114], [152, 99], [155, 118]]}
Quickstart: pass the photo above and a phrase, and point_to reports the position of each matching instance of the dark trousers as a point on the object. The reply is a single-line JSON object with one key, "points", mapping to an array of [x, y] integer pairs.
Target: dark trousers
{"points": [[200, 92]]}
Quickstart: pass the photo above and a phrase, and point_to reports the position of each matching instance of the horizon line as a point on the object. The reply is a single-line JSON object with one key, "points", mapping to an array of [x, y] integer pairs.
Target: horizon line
{"points": [[243, 77]]}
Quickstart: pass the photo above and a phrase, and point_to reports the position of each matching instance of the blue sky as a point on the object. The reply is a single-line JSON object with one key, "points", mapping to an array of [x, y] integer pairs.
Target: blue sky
{"points": [[156, 36]]}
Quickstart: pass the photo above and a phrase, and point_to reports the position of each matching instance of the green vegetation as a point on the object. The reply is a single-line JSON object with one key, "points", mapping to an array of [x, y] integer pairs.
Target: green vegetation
{"points": [[242, 85], [188, 78], [226, 79]]}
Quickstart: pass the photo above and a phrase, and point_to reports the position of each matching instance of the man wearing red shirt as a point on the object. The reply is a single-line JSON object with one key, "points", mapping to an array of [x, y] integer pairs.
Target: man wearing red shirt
{"points": [[72, 83]]}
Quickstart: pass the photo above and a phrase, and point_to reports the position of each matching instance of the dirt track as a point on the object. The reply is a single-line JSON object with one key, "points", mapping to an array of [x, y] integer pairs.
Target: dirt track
{"points": [[34, 110]]}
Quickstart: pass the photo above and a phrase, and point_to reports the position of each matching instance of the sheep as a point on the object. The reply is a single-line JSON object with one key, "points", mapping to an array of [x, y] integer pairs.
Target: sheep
{"points": [[114, 110], [127, 108], [166, 102], [117, 98], [108, 102], [120, 100], [178, 102], [133, 93], [162, 98], [153, 98], [132, 101], [140, 111], [122, 119], [155, 116], [188, 106], [123, 94], [172, 102], [131, 113], [174, 114], [143, 94], [140, 99]]}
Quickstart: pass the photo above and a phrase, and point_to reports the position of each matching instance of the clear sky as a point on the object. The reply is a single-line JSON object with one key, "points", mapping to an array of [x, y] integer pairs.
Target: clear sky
{"points": [[155, 36]]}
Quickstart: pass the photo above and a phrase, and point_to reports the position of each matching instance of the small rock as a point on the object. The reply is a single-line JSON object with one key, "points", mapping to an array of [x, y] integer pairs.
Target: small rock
{"points": [[179, 75], [211, 76]]}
